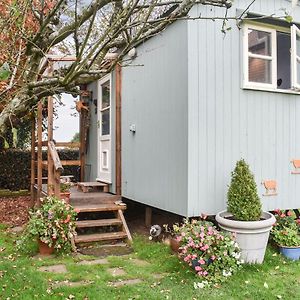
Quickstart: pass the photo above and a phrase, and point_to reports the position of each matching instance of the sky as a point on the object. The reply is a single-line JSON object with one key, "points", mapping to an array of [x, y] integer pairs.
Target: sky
{"points": [[66, 125]]}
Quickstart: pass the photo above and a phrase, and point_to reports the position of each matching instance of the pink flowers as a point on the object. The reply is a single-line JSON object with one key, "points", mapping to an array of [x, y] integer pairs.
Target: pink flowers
{"points": [[207, 250], [178, 238], [68, 219], [204, 248]]}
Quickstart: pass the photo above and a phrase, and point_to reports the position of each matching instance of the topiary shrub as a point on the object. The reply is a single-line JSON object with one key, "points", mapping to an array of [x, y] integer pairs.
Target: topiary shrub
{"points": [[242, 198]]}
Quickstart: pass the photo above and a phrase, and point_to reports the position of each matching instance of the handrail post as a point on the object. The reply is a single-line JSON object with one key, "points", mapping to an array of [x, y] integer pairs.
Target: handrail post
{"points": [[50, 180]]}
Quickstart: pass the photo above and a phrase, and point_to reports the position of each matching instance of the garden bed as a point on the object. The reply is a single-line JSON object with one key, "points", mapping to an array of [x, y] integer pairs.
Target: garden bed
{"points": [[14, 210]]}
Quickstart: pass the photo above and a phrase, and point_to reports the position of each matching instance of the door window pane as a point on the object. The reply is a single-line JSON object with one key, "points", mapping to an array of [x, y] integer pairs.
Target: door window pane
{"points": [[105, 128], [104, 159], [260, 70], [105, 94], [259, 42]]}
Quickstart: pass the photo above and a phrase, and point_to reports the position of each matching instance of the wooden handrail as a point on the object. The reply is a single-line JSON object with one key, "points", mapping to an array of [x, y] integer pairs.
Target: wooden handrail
{"points": [[68, 144], [61, 144], [54, 155]]}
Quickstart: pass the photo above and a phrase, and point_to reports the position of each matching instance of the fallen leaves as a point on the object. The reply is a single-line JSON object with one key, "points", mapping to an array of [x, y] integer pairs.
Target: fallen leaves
{"points": [[14, 210]]}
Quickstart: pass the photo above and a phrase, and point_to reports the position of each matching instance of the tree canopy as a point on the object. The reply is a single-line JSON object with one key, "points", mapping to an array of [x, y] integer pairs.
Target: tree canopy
{"points": [[97, 35]]}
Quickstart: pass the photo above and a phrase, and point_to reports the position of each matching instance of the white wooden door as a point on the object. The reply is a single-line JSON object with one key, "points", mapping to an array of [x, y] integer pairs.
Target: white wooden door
{"points": [[104, 130]]}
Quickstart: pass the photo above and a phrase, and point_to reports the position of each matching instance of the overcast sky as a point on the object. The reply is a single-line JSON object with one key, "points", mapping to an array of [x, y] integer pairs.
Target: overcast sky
{"points": [[66, 125]]}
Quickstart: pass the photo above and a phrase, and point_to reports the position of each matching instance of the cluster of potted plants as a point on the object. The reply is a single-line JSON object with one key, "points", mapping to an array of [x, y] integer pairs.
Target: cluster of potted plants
{"points": [[286, 234], [246, 229], [52, 225], [214, 255]]}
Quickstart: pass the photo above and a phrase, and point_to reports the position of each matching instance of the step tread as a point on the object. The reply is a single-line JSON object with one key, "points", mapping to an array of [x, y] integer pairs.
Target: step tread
{"points": [[92, 184], [95, 237], [98, 223], [99, 207]]}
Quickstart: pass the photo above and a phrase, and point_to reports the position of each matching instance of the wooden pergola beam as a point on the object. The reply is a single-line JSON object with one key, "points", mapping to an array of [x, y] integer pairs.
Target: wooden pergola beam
{"points": [[32, 180], [39, 151]]}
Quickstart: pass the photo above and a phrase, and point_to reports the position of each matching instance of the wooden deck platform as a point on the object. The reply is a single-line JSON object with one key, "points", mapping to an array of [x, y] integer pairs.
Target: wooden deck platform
{"points": [[79, 198], [102, 203]]}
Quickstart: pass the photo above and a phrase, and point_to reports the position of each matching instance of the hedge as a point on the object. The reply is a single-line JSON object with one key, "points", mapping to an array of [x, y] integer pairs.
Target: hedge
{"points": [[15, 167]]}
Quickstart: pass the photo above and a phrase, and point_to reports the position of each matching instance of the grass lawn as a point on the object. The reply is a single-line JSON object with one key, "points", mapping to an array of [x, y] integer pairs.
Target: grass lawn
{"points": [[277, 278]]}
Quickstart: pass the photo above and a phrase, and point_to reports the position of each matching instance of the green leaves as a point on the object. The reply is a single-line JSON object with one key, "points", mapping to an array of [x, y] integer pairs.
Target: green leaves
{"points": [[5, 71], [243, 201]]}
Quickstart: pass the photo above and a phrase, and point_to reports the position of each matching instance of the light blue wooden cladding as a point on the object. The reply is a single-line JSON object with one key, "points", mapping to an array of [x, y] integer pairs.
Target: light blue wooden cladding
{"points": [[155, 100], [230, 122], [186, 118]]}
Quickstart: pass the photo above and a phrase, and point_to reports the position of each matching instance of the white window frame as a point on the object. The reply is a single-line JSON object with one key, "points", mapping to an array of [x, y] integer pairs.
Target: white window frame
{"points": [[294, 58], [272, 58]]}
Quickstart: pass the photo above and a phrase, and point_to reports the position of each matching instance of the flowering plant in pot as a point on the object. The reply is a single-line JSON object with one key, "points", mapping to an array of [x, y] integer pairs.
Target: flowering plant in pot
{"points": [[286, 234], [244, 215], [214, 255], [65, 191], [53, 224], [174, 232]]}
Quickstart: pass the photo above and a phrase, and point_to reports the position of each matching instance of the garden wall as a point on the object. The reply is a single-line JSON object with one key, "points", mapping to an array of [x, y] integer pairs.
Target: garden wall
{"points": [[15, 167]]}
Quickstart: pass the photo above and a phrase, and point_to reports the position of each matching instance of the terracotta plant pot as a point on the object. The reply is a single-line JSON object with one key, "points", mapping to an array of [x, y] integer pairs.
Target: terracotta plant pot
{"points": [[65, 196], [44, 249], [174, 244]]}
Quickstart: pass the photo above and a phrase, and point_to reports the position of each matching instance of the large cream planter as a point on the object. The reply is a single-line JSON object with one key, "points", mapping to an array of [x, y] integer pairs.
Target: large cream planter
{"points": [[252, 236]]}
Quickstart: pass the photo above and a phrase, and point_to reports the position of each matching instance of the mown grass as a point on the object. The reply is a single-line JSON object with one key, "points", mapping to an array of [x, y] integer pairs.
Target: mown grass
{"points": [[277, 278]]}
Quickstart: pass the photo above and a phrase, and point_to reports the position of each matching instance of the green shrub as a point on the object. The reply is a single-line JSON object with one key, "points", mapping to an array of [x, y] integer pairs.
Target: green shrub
{"points": [[243, 200]]}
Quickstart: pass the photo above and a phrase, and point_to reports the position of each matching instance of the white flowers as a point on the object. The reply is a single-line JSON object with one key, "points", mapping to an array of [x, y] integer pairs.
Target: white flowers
{"points": [[227, 273], [200, 285], [236, 255]]}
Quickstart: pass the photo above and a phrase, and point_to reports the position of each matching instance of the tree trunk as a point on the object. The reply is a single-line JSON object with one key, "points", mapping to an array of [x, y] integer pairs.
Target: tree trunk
{"points": [[17, 107]]}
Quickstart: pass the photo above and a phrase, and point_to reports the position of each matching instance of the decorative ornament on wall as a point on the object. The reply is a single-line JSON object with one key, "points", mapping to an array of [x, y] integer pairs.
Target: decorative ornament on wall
{"points": [[271, 187], [296, 164]]}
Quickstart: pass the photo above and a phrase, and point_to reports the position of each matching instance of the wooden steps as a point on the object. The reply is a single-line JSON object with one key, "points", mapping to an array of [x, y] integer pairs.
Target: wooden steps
{"points": [[98, 223], [100, 214], [99, 207], [97, 237], [88, 186]]}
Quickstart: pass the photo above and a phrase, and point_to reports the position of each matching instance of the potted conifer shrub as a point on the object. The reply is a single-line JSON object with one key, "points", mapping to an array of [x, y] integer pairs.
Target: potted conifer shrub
{"points": [[244, 215]]}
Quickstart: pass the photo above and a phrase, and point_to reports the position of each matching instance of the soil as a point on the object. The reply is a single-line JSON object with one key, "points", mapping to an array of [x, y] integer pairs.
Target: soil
{"points": [[14, 210]]}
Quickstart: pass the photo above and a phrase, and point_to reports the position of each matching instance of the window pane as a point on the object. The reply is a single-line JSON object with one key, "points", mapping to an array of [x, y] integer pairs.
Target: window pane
{"points": [[283, 60], [105, 94], [298, 72], [105, 122], [259, 42], [260, 70], [298, 44]]}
